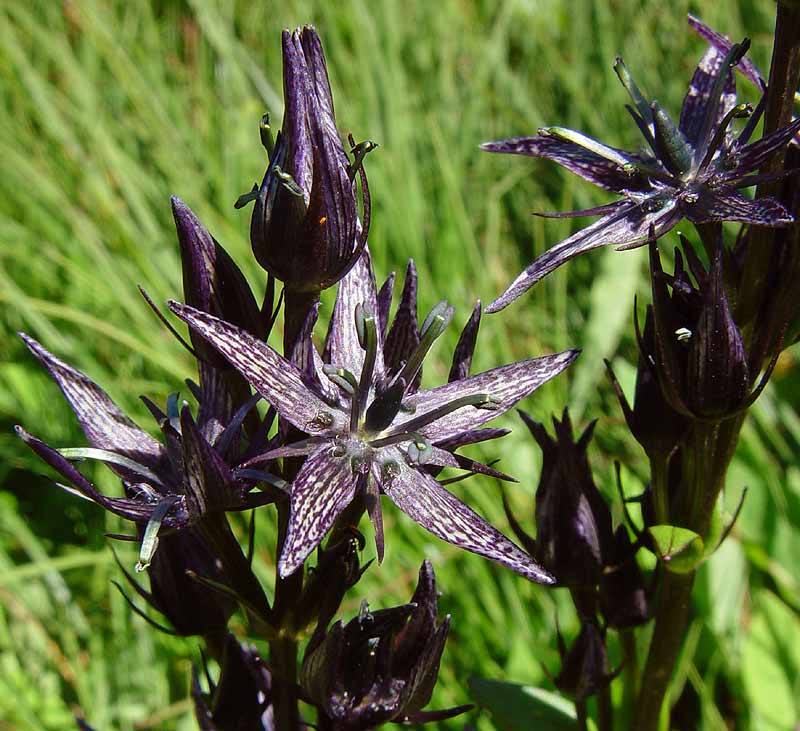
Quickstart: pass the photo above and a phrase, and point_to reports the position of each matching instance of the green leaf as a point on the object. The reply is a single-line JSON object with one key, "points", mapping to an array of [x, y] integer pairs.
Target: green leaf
{"points": [[680, 549], [517, 707], [771, 663]]}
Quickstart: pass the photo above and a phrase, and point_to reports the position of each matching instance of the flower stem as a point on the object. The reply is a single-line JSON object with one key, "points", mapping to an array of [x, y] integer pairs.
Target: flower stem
{"points": [[283, 662], [605, 710], [671, 619], [708, 453], [784, 75]]}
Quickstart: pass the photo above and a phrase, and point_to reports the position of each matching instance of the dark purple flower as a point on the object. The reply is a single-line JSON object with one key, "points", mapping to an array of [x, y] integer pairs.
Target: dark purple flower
{"points": [[573, 522], [381, 666], [584, 669], [692, 170], [213, 283], [656, 425], [167, 486], [305, 229], [369, 431], [240, 700], [699, 355]]}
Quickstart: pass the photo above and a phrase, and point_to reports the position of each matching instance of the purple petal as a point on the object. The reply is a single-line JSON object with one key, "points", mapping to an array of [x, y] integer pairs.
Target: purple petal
{"points": [[385, 304], [323, 488], [723, 45], [698, 97], [425, 501], [753, 156], [342, 348], [726, 204], [403, 337], [129, 509], [443, 458], [628, 225], [279, 381], [297, 95], [208, 480], [589, 165], [507, 385], [465, 348], [472, 437], [105, 426], [211, 280]]}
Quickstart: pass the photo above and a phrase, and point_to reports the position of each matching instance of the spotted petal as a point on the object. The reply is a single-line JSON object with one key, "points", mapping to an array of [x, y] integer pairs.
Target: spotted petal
{"points": [[627, 225], [577, 159], [425, 501], [723, 45], [699, 96], [279, 381], [323, 488], [105, 426], [507, 385], [725, 204], [751, 157]]}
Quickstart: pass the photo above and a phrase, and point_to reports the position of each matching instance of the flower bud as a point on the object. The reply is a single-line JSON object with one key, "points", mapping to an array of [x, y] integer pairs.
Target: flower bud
{"points": [[652, 420], [584, 667], [623, 598], [381, 666], [572, 520], [700, 355], [241, 697], [305, 229]]}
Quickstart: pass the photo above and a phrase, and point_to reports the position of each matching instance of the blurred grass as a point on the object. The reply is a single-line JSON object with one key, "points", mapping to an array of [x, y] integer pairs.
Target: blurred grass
{"points": [[110, 107]]}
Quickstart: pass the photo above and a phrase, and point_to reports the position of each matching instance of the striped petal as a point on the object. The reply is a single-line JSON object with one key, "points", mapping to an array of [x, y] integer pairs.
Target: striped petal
{"points": [[627, 226], [425, 501], [279, 381], [507, 385], [104, 424], [592, 167], [323, 488], [342, 348]]}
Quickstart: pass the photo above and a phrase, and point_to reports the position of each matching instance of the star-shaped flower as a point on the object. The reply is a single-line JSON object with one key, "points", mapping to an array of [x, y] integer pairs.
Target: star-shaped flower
{"points": [[691, 170], [370, 432]]}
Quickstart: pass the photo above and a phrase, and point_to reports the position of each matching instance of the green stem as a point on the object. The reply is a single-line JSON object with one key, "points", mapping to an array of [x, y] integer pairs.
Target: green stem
{"points": [[671, 619], [283, 663], [605, 710], [630, 677], [658, 479], [582, 715], [707, 454]]}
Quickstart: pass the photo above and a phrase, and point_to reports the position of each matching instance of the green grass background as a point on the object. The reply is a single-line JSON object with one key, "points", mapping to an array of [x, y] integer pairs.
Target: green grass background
{"points": [[110, 107]]}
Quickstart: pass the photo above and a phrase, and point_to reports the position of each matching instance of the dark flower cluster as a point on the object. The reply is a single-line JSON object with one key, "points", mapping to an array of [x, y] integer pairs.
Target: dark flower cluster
{"points": [[344, 425]]}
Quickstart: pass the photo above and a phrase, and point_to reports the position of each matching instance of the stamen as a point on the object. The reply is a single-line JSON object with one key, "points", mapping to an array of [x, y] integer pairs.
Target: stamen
{"points": [[571, 135], [265, 131], [359, 152], [740, 111], [150, 539], [731, 59], [409, 428], [341, 377], [104, 455], [432, 327], [288, 181], [246, 198], [368, 338], [633, 91]]}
